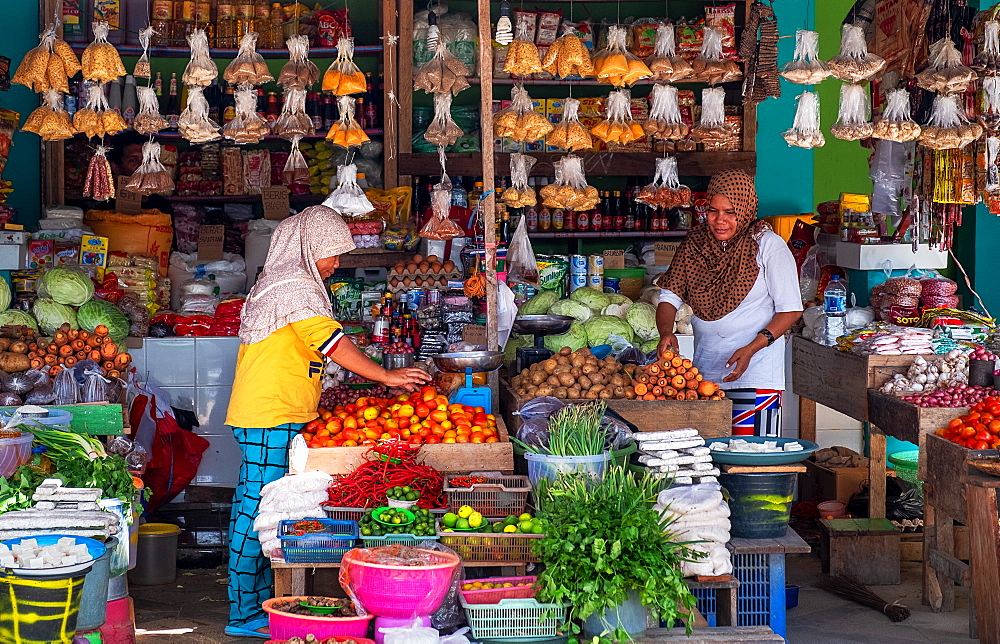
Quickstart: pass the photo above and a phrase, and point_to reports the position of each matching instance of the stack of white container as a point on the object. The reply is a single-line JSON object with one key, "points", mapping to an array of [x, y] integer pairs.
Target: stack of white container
{"points": [[680, 454]]}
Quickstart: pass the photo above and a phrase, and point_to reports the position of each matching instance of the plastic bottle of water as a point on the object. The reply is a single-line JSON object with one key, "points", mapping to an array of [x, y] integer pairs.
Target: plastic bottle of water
{"points": [[835, 305]]}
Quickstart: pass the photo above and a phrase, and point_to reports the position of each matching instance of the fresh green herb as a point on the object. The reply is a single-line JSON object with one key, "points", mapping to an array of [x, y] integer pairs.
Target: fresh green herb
{"points": [[603, 539], [63, 442], [574, 431], [16, 491]]}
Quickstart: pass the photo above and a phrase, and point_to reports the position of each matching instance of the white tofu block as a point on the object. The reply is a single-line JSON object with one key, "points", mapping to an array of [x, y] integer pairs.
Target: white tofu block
{"points": [[30, 544], [707, 479], [701, 466], [718, 447], [697, 451], [66, 541], [682, 480], [770, 446], [660, 453], [670, 434], [675, 445], [793, 447], [36, 562]]}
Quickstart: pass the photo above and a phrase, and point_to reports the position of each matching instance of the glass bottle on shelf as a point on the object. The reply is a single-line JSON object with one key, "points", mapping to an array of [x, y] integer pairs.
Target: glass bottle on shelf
{"points": [[225, 24], [262, 21], [598, 214], [544, 219], [172, 111], [531, 219], [161, 20], [359, 113], [74, 19], [275, 26], [228, 105], [329, 110], [158, 85], [475, 194], [272, 111], [183, 21]]}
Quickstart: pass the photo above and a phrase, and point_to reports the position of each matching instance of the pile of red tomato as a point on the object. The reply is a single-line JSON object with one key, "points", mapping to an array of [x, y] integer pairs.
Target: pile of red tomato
{"points": [[423, 417], [979, 429]]}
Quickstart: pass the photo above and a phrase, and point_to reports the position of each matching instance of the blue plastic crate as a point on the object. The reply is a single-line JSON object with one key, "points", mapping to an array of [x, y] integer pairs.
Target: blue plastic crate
{"points": [[319, 547]]}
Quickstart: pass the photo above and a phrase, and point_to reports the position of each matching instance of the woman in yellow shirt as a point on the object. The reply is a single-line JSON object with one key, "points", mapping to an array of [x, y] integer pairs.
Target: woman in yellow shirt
{"points": [[286, 329]]}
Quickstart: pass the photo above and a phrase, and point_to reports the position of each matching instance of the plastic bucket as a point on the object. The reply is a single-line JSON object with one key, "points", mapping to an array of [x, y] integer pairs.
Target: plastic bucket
{"points": [[119, 627], [831, 509], [619, 457], [284, 626], [120, 549], [117, 587], [631, 616], [760, 504], [14, 452], [39, 610], [156, 559], [630, 280], [94, 603], [542, 466]]}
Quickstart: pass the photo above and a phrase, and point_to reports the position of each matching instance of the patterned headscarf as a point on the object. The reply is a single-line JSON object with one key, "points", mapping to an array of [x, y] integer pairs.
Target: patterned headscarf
{"points": [[290, 288], [711, 276]]}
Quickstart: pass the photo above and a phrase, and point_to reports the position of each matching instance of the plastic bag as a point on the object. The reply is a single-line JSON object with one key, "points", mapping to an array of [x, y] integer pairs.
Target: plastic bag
{"points": [[99, 182], [247, 126], [568, 56], [293, 121], [896, 124], [945, 72], [348, 198], [948, 128], [148, 120], [805, 68], [50, 121], [458, 637], [346, 132], [710, 67], [664, 121], [805, 132], [852, 117], [414, 634], [570, 191], [201, 69], [569, 133], [442, 74], [665, 64], [615, 64], [66, 390], [97, 118], [854, 63], [194, 124], [299, 72], [712, 127], [522, 266], [249, 67], [152, 177], [618, 126], [443, 131], [666, 190], [33, 72], [343, 77], [992, 171], [520, 194], [95, 387], [439, 226], [522, 54], [519, 121], [541, 407], [100, 61], [296, 168], [902, 500], [987, 62], [142, 67]]}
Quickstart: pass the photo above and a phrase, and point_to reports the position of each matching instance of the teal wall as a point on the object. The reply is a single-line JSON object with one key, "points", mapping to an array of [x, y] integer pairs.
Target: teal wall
{"points": [[23, 166]]}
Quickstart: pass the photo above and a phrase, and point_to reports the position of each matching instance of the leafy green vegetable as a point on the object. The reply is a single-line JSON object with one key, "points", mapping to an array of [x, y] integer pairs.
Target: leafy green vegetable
{"points": [[599, 327], [575, 338], [572, 308], [51, 315], [16, 491], [14, 317], [539, 304], [642, 317], [96, 312], [5, 295], [68, 286], [591, 297], [573, 431]]}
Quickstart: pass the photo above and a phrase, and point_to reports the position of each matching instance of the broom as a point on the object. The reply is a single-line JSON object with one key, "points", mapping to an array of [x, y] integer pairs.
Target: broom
{"points": [[852, 589]]}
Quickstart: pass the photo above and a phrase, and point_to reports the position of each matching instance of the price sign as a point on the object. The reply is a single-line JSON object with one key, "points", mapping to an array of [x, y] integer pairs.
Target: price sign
{"points": [[474, 334], [210, 243], [663, 252], [275, 199], [614, 258], [127, 202]]}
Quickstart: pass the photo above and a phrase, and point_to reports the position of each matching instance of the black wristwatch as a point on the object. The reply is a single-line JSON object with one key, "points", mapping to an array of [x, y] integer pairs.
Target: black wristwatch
{"points": [[767, 334]]}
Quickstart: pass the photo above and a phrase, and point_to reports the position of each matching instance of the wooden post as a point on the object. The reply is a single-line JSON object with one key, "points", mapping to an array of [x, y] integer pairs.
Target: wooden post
{"points": [[807, 419], [404, 122], [486, 207], [984, 535], [390, 111], [876, 471], [53, 152]]}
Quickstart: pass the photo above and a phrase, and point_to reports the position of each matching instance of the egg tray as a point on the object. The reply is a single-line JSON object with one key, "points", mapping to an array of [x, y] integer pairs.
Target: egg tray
{"points": [[453, 276]]}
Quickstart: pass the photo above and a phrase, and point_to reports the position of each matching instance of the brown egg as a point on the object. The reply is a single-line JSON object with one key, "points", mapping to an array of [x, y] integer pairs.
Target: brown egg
{"points": [[432, 258], [407, 281], [417, 259], [423, 267], [436, 267], [411, 268], [398, 268], [394, 282], [448, 266]]}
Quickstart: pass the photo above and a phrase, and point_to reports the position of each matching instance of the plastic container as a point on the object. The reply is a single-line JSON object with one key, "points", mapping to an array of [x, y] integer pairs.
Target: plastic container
{"points": [[500, 496], [630, 615], [56, 417], [543, 466], [119, 626], [831, 509], [791, 596], [513, 618], [491, 546], [981, 372], [39, 610], [630, 280], [338, 513], [524, 588], [394, 539], [905, 463], [760, 504], [399, 591], [94, 603], [156, 556], [285, 625], [120, 551], [117, 587], [320, 547], [14, 452], [783, 225], [620, 457], [402, 505]]}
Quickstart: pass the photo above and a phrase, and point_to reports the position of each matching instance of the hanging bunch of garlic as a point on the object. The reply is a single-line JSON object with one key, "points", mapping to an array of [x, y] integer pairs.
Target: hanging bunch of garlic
{"points": [[942, 372]]}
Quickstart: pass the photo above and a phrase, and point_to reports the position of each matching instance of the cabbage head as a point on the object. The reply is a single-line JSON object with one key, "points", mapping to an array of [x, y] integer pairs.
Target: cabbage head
{"points": [[571, 308], [51, 315], [591, 297], [5, 294], [97, 312], [66, 286], [515, 342], [575, 338], [649, 345], [599, 327], [539, 304], [15, 317], [617, 309], [618, 298], [642, 318]]}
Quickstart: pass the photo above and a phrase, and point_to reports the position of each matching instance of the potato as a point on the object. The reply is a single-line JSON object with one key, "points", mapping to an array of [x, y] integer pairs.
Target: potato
{"points": [[591, 395], [619, 392], [563, 368], [18, 347], [561, 359], [545, 390], [552, 380], [584, 382], [530, 391], [630, 369], [566, 379], [589, 369], [561, 392], [565, 351], [597, 388], [14, 362], [617, 380], [576, 371], [584, 351], [630, 393], [577, 361], [598, 378], [574, 392], [5, 343], [549, 365], [605, 394]]}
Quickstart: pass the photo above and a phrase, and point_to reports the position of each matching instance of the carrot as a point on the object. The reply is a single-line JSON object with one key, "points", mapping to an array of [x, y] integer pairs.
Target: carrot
{"points": [[706, 388], [94, 355], [33, 346], [668, 354], [109, 349], [81, 355], [73, 334], [677, 362], [687, 364], [54, 371], [65, 350], [654, 369], [681, 396], [51, 360], [694, 370], [101, 330], [665, 364], [671, 372], [691, 384], [52, 349], [670, 392], [641, 389], [114, 373], [649, 397], [688, 375], [70, 361], [84, 335], [643, 378], [678, 382], [78, 344], [60, 338], [656, 391], [36, 363], [122, 360]]}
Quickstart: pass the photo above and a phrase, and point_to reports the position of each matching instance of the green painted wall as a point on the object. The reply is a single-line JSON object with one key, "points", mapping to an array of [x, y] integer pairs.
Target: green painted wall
{"points": [[23, 166]]}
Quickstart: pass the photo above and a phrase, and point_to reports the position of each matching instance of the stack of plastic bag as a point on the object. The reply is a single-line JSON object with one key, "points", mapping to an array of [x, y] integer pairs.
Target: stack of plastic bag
{"points": [[291, 497], [677, 453], [699, 514]]}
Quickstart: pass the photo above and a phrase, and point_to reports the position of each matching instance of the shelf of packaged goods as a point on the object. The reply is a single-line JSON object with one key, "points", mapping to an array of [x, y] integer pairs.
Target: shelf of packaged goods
{"points": [[621, 164], [608, 233], [307, 198], [271, 137], [185, 52]]}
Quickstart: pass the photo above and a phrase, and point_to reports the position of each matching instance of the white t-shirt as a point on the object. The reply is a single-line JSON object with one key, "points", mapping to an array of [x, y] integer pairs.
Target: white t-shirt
{"points": [[775, 291]]}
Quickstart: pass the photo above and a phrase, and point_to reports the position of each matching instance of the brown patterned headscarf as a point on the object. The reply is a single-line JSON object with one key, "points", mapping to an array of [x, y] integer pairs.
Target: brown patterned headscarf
{"points": [[711, 276]]}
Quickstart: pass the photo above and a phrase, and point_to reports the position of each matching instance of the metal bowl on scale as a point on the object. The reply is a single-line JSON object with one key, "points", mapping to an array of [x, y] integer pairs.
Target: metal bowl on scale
{"points": [[478, 361], [542, 324]]}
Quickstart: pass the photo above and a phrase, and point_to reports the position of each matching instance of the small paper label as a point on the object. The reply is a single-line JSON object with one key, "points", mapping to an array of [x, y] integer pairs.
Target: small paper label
{"points": [[275, 200], [614, 259], [210, 243], [127, 202], [663, 252], [474, 334]]}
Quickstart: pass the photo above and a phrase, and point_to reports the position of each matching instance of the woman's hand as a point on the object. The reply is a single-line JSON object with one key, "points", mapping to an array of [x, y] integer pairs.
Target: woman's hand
{"points": [[740, 360], [408, 378], [668, 342]]}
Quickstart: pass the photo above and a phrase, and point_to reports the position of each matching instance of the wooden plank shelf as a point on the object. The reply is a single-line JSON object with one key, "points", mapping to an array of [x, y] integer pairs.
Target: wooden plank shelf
{"points": [[185, 52], [609, 233], [368, 257]]}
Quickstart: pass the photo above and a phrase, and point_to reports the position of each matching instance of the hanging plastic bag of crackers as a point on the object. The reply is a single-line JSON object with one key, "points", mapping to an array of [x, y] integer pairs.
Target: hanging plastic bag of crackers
{"points": [[945, 72], [519, 121], [97, 118], [618, 126], [101, 62], [247, 126], [99, 182], [569, 133], [805, 67], [853, 123], [896, 123], [343, 77], [570, 190], [568, 56], [346, 132], [201, 69], [522, 55], [805, 132], [152, 177], [293, 120], [710, 67], [712, 127], [296, 169], [439, 226], [854, 63], [443, 131], [665, 64], [249, 67], [520, 194], [948, 128], [50, 120], [664, 121], [442, 74], [615, 64], [666, 189], [142, 67], [299, 72], [348, 198], [194, 124], [148, 120]]}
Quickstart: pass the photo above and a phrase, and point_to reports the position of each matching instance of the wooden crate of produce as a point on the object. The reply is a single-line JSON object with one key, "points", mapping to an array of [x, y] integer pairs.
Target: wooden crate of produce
{"points": [[838, 379], [446, 457], [906, 421], [712, 418]]}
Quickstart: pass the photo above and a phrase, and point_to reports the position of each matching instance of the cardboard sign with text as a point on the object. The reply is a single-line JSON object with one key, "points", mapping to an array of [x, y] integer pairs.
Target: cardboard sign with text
{"points": [[663, 252], [614, 259], [127, 202], [275, 200], [474, 334], [210, 240]]}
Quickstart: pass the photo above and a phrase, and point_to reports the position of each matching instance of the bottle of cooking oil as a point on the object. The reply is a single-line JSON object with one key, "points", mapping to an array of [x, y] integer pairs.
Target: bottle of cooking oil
{"points": [[275, 36], [244, 18], [225, 25], [203, 19], [261, 20], [161, 21]]}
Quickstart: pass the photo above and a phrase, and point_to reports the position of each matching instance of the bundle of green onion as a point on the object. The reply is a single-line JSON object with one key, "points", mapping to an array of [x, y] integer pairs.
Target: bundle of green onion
{"points": [[574, 431]]}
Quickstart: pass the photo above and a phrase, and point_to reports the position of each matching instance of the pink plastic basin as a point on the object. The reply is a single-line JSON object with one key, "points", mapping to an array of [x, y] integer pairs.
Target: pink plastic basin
{"points": [[399, 591], [285, 625], [14, 452]]}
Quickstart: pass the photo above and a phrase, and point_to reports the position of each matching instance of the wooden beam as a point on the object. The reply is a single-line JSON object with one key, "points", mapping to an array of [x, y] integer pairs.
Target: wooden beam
{"points": [[876, 471], [486, 208], [389, 17], [984, 535], [404, 81], [807, 419]]}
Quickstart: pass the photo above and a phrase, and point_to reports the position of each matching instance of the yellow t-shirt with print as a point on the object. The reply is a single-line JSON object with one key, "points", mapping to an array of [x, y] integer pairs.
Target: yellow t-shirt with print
{"points": [[278, 379]]}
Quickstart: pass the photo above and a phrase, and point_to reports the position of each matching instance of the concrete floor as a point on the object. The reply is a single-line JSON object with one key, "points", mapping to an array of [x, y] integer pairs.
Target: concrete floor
{"points": [[197, 601]]}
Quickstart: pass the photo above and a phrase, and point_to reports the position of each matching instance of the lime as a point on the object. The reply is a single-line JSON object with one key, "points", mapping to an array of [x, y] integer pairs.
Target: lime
{"points": [[449, 520], [462, 524], [524, 517], [536, 527], [524, 526], [486, 528], [412, 496], [465, 511], [475, 520], [406, 488], [510, 520]]}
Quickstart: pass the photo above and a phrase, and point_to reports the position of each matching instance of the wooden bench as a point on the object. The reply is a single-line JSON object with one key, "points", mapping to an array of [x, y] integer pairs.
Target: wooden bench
{"points": [[726, 590], [867, 549], [746, 634]]}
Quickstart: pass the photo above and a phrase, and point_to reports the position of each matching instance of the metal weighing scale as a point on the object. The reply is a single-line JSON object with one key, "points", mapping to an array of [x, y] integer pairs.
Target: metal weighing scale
{"points": [[538, 326], [470, 362]]}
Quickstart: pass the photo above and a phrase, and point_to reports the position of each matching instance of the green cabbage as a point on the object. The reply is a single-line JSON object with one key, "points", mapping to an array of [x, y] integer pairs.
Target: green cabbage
{"points": [[591, 297], [649, 345], [5, 295], [15, 317], [642, 317], [539, 304], [51, 315], [66, 286], [618, 298], [575, 338], [515, 342], [571, 308], [617, 309], [599, 327], [97, 312]]}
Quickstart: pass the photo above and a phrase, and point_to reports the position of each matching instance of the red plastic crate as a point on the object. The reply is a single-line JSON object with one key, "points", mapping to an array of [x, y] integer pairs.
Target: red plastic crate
{"points": [[501, 495], [494, 595]]}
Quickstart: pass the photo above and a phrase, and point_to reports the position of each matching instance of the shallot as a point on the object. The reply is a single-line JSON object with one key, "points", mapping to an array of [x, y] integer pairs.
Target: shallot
{"points": [[956, 396]]}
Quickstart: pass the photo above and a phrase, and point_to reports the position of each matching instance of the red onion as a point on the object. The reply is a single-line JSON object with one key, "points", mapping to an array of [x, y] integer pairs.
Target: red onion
{"points": [[955, 396]]}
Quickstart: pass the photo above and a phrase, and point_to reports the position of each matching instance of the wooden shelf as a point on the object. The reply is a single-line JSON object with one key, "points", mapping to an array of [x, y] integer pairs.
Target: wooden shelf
{"points": [[619, 164], [185, 52], [176, 136], [242, 198], [584, 81], [609, 233], [368, 257]]}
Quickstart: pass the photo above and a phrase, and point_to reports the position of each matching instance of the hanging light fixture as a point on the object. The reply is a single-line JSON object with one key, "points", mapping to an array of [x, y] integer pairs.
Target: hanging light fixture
{"points": [[505, 32]]}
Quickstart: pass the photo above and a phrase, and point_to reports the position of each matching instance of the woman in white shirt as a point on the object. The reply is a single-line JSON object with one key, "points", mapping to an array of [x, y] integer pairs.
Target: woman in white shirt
{"points": [[741, 281]]}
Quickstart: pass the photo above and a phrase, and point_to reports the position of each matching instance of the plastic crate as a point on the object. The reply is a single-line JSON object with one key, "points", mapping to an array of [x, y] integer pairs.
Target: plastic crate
{"points": [[395, 539], [344, 514], [500, 496], [502, 547], [513, 618], [905, 464], [494, 595], [319, 547]]}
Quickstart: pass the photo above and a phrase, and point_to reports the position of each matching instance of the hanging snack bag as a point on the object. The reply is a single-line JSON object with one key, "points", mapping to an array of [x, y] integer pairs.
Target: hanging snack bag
{"points": [[854, 63], [343, 77], [805, 68], [296, 168], [568, 56], [101, 62], [987, 63], [666, 190], [665, 64], [142, 67], [945, 72], [570, 191], [248, 68], [33, 72], [299, 72], [148, 120], [989, 117], [194, 124], [439, 226], [152, 177], [618, 126], [712, 128], [896, 124], [444, 73], [293, 120], [664, 121], [522, 55], [805, 132], [50, 121], [247, 126], [852, 117], [519, 121], [346, 132], [349, 198], [520, 194], [710, 67], [948, 128], [615, 65], [96, 118], [443, 131], [569, 133], [201, 69], [99, 182]]}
